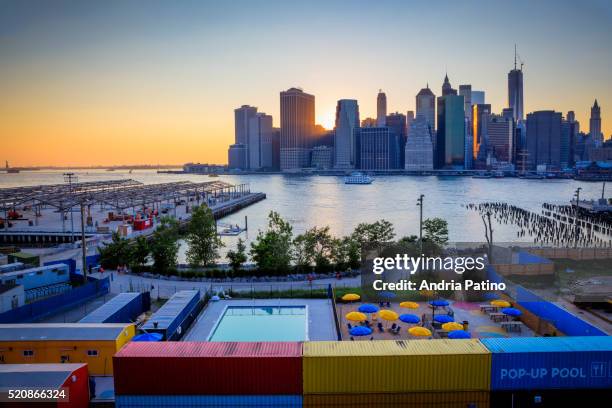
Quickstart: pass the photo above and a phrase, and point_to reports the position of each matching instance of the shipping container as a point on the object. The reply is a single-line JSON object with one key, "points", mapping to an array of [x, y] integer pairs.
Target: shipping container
{"points": [[209, 368], [548, 398], [524, 363], [388, 366], [123, 308], [73, 378], [141, 401], [449, 399], [175, 316], [42, 276]]}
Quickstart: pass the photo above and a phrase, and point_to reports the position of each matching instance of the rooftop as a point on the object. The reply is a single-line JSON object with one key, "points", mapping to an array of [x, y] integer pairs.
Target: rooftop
{"points": [[49, 376], [61, 331]]}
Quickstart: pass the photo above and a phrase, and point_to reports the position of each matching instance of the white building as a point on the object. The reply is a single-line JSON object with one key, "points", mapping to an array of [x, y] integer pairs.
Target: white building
{"points": [[419, 147]]}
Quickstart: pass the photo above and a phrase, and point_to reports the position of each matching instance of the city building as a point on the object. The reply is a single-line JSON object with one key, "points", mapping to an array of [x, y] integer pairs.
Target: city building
{"points": [[409, 119], [515, 90], [322, 157], [237, 154], [480, 120], [500, 138], [466, 92], [381, 108], [419, 146], [426, 106], [377, 147], [259, 148], [450, 139], [544, 140], [368, 122], [477, 97], [595, 124], [242, 116], [347, 120], [297, 124], [397, 123]]}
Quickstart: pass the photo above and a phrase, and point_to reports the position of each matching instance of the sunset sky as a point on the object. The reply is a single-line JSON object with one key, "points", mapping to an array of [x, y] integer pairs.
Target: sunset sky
{"points": [[137, 82]]}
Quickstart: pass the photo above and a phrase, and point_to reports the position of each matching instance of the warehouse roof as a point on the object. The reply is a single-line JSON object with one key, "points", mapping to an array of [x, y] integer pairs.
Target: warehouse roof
{"points": [[48, 376], [60, 331]]}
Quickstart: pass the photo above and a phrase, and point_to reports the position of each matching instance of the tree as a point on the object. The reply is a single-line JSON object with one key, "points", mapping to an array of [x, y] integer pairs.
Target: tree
{"points": [[345, 253], [271, 250], [139, 251], [164, 245], [116, 252], [375, 233], [237, 257], [436, 231], [313, 248], [202, 238]]}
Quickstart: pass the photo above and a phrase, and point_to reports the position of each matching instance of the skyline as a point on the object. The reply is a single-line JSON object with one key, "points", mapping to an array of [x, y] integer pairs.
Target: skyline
{"points": [[161, 84]]}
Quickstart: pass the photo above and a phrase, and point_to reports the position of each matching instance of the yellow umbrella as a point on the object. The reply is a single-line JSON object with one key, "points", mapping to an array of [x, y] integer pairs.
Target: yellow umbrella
{"points": [[409, 305], [388, 315], [450, 326], [356, 317], [500, 303], [349, 297], [419, 331]]}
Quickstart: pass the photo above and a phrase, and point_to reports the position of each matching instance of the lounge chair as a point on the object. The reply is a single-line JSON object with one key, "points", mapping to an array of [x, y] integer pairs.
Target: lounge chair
{"points": [[393, 326], [349, 326], [397, 329], [380, 327], [367, 323], [388, 304]]}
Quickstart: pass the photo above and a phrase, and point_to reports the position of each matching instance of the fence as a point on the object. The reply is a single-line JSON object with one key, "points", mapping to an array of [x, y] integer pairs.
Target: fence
{"points": [[56, 304], [331, 293], [563, 320]]}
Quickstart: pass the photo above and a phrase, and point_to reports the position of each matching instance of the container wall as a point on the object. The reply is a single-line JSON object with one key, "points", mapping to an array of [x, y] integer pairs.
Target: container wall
{"points": [[395, 366], [123, 308], [278, 401], [202, 368], [550, 363], [182, 306], [454, 399]]}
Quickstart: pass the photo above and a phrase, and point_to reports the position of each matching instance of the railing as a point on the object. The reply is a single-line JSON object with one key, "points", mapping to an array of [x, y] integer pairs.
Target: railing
{"points": [[331, 292]]}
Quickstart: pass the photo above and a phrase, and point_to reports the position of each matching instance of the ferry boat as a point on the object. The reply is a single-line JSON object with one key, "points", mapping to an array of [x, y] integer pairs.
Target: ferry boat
{"points": [[358, 178]]}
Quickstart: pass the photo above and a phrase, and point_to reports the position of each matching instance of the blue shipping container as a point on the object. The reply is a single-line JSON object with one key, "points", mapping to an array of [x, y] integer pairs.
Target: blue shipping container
{"points": [[123, 308], [168, 320], [277, 401], [525, 363], [41, 276]]}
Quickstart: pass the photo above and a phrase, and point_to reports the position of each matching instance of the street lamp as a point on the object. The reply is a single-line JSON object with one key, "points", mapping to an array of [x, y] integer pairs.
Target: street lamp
{"points": [[70, 178], [577, 195], [420, 205]]}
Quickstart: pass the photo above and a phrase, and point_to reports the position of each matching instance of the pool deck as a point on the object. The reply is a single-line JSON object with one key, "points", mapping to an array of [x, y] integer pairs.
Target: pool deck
{"points": [[320, 317]]}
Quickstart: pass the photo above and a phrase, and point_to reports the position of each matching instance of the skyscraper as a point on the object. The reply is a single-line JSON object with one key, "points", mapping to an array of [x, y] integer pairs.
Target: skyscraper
{"points": [[347, 120], [397, 123], [480, 120], [450, 138], [377, 147], [409, 119], [515, 90], [419, 147], [241, 123], [426, 106], [381, 108], [297, 121], [477, 97], [544, 139], [595, 124], [466, 92], [500, 141], [259, 146]]}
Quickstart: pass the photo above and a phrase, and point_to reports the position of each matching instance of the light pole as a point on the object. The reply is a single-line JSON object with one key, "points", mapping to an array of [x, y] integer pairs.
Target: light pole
{"points": [[69, 177], [577, 195], [420, 205]]}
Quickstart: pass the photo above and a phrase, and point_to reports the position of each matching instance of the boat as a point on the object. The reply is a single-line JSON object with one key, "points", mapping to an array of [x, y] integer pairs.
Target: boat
{"points": [[358, 178], [230, 230]]}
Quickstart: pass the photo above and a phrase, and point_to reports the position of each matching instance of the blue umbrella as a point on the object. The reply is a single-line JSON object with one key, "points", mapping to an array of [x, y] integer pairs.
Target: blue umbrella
{"points": [[510, 311], [444, 319], [148, 337], [409, 318], [368, 308], [360, 331], [387, 295], [459, 334], [439, 303]]}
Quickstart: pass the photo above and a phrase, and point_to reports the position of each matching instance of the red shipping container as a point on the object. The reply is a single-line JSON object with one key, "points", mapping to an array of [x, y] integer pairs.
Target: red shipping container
{"points": [[208, 368]]}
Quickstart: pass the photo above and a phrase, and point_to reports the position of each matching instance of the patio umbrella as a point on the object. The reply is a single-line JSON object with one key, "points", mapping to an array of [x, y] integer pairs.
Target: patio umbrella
{"points": [[500, 303], [388, 315], [350, 297], [450, 326], [360, 331], [444, 319], [356, 317], [439, 303], [368, 308], [148, 337], [419, 331], [459, 334], [409, 305], [409, 318], [510, 311]]}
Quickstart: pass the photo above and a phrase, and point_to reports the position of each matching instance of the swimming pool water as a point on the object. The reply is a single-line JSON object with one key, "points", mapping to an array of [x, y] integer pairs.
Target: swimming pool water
{"points": [[262, 323]]}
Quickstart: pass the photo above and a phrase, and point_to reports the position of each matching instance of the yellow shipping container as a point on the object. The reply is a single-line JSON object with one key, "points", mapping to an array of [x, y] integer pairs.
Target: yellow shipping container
{"points": [[91, 343], [389, 366], [450, 399]]}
